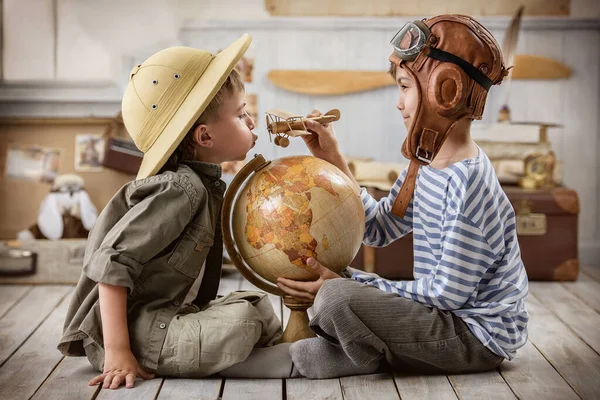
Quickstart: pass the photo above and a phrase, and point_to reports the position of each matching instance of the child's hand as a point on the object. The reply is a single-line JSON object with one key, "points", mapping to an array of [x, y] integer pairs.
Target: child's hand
{"points": [[322, 142], [307, 290], [120, 367]]}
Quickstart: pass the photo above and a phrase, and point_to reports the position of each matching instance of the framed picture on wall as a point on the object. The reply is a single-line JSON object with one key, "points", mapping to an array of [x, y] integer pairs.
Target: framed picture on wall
{"points": [[89, 153], [32, 163]]}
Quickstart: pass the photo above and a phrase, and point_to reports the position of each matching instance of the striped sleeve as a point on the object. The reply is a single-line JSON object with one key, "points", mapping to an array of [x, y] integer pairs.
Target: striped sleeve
{"points": [[465, 257], [381, 226]]}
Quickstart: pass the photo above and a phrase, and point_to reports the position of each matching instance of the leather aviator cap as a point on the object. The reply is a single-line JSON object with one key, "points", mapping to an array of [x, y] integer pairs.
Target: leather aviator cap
{"points": [[453, 70]]}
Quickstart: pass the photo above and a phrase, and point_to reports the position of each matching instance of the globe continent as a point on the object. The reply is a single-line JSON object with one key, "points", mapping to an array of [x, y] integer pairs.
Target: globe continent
{"points": [[295, 208]]}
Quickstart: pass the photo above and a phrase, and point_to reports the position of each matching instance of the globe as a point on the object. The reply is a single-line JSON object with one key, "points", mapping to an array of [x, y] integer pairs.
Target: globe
{"points": [[294, 208]]}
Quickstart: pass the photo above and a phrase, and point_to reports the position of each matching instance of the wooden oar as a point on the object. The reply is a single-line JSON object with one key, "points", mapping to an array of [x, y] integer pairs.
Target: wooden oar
{"points": [[532, 67], [329, 82], [336, 82]]}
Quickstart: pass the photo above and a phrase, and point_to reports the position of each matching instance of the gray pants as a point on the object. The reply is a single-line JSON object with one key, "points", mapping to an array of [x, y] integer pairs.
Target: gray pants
{"points": [[370, 324]]}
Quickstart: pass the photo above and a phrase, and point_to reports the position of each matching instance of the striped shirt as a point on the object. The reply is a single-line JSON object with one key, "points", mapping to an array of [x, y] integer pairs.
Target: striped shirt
{"points": [[466, 255]]}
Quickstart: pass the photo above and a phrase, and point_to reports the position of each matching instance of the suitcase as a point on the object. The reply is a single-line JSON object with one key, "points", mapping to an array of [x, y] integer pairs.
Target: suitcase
{"points": [[122, 155], [547, 223]]}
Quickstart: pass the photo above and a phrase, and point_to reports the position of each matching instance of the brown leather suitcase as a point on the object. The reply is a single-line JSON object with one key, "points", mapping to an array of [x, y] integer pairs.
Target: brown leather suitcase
{"points": [[122, 155], [547, 222]]}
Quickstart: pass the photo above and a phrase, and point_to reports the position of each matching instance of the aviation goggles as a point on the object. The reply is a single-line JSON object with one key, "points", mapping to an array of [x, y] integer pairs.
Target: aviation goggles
{"points": [[411, 39]]}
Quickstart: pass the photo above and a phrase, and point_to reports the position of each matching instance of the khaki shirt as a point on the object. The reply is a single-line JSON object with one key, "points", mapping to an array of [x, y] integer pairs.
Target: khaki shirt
{"points": [[152, 238]]}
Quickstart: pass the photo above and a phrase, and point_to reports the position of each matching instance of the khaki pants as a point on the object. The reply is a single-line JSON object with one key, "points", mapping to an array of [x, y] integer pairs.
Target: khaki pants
{"points": [[202, 342]]}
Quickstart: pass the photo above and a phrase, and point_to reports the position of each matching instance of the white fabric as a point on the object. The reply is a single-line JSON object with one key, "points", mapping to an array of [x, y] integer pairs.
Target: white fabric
{"points": [[88, 211], [54, 205], [50, 217]]}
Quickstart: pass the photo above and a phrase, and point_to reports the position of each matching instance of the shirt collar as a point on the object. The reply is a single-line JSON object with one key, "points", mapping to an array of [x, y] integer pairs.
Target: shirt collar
{"points": [[201, 168]]}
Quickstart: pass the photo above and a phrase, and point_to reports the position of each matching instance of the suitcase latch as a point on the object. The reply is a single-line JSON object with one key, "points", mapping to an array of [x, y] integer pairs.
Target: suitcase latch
{"points": [[528, 223]]}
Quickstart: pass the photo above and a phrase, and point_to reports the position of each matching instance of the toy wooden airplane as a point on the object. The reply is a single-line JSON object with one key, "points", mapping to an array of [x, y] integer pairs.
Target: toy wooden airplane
{"points": [[283, 124]]}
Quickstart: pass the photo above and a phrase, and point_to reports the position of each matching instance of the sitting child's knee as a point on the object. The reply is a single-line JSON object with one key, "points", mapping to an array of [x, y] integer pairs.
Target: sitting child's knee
{"points": [[333, 294]]}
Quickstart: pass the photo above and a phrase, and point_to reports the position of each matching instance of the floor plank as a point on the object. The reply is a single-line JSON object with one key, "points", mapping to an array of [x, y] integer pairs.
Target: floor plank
{"points": [[142, 390], [572, 358], [424, 387], [587, 290], [10, 295], [255, 389], [530, 376], [305, 389], [27, 369], [588, 271], [584, 321], [486, 385], [369, 387], [26, 316], [53, 264], [69, 381], [192, 389], [563, 329]]}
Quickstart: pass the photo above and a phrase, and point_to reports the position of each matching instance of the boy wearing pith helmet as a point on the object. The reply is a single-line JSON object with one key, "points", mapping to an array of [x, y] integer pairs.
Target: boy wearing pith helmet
{"points": [[145, 302]]}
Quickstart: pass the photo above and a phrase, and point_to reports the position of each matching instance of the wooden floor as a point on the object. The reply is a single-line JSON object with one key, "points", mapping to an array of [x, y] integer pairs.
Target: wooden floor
{"points": [[560, 361]]}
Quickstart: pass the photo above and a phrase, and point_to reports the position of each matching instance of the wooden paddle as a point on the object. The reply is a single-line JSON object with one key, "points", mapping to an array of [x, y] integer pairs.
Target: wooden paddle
{"points": [[529, 66], [336, 82], [329, 82]]}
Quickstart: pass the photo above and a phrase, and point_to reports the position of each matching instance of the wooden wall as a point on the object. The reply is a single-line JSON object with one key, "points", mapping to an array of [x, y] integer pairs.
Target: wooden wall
{"points": [[388, 8]]}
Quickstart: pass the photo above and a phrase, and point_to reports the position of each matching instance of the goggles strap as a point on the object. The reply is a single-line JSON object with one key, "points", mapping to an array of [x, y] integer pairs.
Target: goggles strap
{"points": [[473, 72], [424, 28]]}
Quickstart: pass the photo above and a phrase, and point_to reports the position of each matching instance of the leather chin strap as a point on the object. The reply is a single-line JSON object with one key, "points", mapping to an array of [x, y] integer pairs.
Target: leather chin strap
{"points": [[429, 143], [406, 191]]}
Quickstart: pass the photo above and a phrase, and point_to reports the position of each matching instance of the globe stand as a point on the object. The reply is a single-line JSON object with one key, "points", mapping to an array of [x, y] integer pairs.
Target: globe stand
{"points": [[297, 327]]}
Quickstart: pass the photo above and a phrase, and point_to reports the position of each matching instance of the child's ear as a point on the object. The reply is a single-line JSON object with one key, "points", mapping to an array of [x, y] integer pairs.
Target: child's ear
{"points": [[202, 137]]}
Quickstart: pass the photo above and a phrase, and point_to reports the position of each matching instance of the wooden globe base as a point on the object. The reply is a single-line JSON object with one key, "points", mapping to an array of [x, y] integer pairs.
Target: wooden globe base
{"points": [[297, 327]]}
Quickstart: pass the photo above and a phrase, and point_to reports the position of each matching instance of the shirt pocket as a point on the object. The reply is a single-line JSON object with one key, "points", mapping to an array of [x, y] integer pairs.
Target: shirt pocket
{"points": [[191, 250]]}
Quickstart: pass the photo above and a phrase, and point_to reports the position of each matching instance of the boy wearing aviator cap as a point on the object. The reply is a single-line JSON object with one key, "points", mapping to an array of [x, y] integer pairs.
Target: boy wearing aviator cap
{"points": [[465, 310]]}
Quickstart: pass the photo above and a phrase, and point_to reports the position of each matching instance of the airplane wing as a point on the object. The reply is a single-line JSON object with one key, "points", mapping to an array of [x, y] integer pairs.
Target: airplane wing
{"points": [[281, 113], [297, 133]]}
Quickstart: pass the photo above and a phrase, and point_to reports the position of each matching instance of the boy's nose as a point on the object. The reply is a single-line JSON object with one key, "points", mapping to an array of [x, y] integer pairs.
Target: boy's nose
{"points": [[400, 103]]}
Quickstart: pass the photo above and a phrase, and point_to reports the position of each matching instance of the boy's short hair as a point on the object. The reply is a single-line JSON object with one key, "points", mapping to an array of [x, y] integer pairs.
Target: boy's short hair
{"points": [[185, 151], [232, 85], [392, 70]]}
